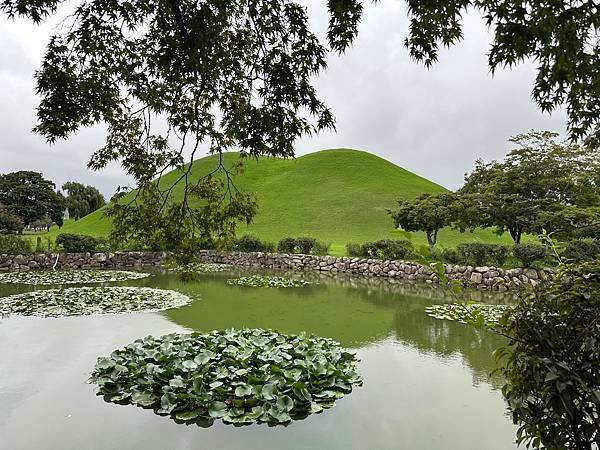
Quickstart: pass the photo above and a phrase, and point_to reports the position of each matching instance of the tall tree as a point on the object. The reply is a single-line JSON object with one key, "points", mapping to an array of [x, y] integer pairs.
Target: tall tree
{"points": [[31, 197], [82, 200], [428, 212], [230, 74], [532, 186]]}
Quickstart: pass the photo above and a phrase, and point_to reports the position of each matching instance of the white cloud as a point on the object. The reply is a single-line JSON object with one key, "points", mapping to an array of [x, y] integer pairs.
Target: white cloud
{"points": [[434, 122]]}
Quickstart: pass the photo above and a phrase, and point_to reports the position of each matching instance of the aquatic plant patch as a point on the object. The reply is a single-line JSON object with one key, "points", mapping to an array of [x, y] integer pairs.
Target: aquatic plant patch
{"points": [[57, 277], [263, 281], [198, 268], [91, 300], [487, 315], [239, 376]]}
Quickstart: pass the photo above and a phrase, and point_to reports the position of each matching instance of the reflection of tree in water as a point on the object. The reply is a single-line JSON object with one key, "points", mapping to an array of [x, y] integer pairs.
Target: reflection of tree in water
{"points": [[402, 302], [411, 325]]}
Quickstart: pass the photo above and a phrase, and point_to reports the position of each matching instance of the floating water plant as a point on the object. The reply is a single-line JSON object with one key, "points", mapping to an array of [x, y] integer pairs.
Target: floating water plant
{"points": [[57, 277], [472, 313], [91, 300], [263, 281], [198, 268], [240, 376]]}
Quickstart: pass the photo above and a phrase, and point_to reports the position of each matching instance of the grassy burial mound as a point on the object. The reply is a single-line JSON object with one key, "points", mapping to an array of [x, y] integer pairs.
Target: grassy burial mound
{"points": [[337, 196]]}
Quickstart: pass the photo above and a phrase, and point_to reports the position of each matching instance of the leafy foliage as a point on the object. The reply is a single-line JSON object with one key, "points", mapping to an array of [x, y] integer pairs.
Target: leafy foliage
{"points": [[302, 245], [480, 254], [250, 243], [56, 277], [82, 200], [192, 269], [31, 197], [9, 222], [528, 254], [239, 376], [154, 222], [473, 313], [14, 245], [428, 213], [321, 248], [383, 249], [91, 300], [553, 361], [581, 250], [266, 281], [532, 188], [77, 243]]}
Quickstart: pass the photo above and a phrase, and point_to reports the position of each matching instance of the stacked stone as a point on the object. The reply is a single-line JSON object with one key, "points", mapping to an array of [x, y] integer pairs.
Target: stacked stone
{"points": [[480, 277]]}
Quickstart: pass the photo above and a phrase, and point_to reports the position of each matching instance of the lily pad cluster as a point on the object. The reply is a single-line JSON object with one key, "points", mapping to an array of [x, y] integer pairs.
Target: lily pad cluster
{"points": [[472, 313], [239, 376], [199, 268], [57, 277], [91, 300], [264, 281]]}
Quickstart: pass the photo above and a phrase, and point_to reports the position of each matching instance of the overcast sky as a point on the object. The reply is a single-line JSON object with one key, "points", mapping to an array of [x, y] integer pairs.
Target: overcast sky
{"points": [[434, 122]]}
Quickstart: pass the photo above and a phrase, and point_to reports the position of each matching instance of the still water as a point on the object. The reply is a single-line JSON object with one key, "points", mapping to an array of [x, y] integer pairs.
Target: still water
{"points": [[426, 381]]}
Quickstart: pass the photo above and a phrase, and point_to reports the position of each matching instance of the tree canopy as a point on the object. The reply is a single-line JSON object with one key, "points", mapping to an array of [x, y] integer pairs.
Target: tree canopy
{"points": [[31, 197], [428, 212], [536, 184], [9, 222], [82, 200], [225, 74]]}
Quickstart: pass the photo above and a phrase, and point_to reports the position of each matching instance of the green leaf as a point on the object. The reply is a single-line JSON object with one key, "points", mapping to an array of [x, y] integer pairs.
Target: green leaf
{"points": [[285, 403], [217, 409]]}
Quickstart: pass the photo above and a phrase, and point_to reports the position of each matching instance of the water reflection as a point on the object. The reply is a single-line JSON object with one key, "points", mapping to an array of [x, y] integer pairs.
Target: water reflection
{"points": [[354, 311], [425, 380]]}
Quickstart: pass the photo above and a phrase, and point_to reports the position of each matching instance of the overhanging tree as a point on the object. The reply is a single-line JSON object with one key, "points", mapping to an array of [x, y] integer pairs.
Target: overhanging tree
{"points": [[225, 74]]}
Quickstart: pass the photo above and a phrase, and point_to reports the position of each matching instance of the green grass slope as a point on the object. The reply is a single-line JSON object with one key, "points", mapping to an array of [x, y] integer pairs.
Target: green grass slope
{"points": [[336, 196]]}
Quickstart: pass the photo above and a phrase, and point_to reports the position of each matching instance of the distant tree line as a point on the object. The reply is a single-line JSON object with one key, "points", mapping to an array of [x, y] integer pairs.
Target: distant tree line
{"points": [[28, 200], [541, 185]]}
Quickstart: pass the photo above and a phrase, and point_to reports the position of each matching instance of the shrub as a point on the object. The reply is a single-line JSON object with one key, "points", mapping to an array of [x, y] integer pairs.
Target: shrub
{"points": [[320, 248], [354, 249], [553, 361], [582, 250], [78, 243], [286, 245], [14, 245], [528, 254], [382, 249], [480, 254], [296, 245], [305, 244], [250, 243], [447, 255], [10, 223]]}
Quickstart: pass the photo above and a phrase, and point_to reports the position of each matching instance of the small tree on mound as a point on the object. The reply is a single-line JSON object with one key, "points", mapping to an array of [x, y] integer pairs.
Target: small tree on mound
{"points": [[428, 213]]}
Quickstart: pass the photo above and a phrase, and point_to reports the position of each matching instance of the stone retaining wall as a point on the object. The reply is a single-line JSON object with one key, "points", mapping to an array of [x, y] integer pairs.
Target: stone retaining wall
{"points": [[480, 277], [81, 260]]}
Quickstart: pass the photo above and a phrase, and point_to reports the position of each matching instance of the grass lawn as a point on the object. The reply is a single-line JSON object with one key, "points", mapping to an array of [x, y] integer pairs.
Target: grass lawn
{"points": [[337, 196]]}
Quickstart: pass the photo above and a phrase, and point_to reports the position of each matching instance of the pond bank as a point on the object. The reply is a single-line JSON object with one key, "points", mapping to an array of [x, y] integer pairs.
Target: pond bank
{"points": [[489, 278]]}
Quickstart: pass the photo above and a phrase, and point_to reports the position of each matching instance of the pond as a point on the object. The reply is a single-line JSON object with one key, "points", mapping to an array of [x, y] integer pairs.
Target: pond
{"points": [[426, 381]]}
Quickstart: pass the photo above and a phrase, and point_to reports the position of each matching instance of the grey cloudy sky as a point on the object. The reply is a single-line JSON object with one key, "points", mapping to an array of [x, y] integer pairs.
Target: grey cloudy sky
{"points": [[435, 121]]}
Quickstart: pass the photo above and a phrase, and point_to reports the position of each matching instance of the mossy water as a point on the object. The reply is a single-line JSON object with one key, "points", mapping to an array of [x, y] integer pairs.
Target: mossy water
{"points": [[426, 382]]}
